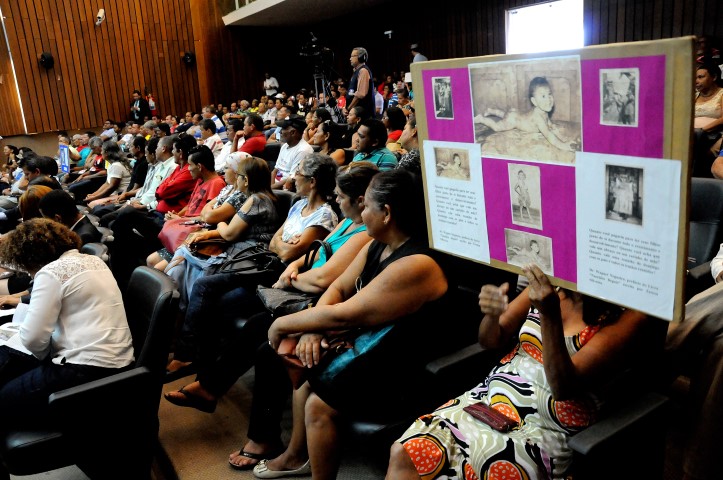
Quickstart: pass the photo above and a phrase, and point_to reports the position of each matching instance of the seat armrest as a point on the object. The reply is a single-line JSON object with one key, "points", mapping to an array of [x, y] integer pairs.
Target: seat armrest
{"points": [[620, 420], [104, 391]]}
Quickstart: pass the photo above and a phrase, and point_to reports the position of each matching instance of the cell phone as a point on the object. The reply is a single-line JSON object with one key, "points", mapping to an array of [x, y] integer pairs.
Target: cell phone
{"points": [[191, 222], [489, 416]]}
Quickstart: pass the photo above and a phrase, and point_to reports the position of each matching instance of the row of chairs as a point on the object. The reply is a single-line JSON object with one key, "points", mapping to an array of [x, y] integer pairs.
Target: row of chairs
{"points": [[118, 414]]}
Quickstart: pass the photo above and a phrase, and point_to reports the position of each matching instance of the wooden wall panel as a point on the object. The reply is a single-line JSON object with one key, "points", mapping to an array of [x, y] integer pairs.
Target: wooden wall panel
{"points": [[140, 44], [11, 121]]}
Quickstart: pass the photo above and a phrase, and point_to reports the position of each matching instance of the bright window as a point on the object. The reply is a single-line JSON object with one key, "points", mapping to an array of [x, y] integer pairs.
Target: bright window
{"points": [[545, 27]]}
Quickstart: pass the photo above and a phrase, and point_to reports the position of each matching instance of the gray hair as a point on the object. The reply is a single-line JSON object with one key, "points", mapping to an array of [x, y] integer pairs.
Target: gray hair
{"points": [[95, 142]]}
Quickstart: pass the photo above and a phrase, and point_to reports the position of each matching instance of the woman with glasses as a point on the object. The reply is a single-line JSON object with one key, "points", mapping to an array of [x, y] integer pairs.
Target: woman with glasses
{"points": [[211, 294]]}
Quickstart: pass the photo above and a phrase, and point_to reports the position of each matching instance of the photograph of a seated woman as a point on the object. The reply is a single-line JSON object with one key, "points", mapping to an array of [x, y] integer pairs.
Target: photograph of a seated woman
{"points": [[521, 112]]}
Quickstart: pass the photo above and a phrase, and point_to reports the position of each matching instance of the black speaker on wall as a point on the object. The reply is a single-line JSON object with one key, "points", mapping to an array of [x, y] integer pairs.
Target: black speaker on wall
{"points": [[46, 60], [189, 58]]}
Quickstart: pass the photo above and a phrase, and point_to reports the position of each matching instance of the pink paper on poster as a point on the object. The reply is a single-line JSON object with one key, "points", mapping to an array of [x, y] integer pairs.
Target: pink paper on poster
{"points": [[639, 129], [451, 125], [555, 223]]}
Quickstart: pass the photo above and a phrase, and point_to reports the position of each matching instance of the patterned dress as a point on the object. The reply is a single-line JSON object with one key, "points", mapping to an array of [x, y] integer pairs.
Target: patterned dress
{"points": [[451, 444]]}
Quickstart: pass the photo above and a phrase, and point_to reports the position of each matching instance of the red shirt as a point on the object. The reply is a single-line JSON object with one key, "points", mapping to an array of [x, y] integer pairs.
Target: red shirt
{"points": [[173, 193], [254, 145], [204, 192]]}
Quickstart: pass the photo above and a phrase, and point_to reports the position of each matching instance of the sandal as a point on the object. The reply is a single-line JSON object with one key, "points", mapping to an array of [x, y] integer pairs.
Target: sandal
{"points": [[253, 456], [192, 400]]}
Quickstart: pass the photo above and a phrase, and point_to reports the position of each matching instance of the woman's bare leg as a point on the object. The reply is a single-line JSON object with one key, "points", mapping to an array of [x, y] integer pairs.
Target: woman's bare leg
{"points": [[322, 438], [401, 466], [295, 454]]}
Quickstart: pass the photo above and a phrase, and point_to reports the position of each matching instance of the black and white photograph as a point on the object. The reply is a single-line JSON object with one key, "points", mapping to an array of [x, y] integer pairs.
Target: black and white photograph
{"points": [[525, 195], [442, 87], [452, 163], [624, 188], [528, 110], [619, 96], [524, 248]]}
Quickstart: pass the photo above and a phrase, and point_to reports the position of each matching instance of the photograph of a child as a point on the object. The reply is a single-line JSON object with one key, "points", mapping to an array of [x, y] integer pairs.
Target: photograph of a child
{"points": [[529, 110], [525, 195], [524, 248], [624, 194], [452, 163], [442, 87], [619, 96]]}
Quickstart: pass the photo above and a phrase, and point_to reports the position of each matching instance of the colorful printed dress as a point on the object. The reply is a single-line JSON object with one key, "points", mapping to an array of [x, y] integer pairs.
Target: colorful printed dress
{"points": [[451, 444]]}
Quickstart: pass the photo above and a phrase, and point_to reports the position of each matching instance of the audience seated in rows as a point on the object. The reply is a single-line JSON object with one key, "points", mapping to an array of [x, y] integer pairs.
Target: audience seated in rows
{"points": [[218, 210], [219, 368], [217, 293]]}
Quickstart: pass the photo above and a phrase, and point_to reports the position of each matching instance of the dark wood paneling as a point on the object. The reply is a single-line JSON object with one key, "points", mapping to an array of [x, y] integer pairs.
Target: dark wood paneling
{"points": [[140, 44], [11, 121]]}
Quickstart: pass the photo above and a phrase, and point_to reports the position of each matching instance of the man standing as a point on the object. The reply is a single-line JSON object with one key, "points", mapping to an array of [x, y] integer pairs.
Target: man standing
{"points": [[271, 85], [361, 84], [139, 108]]}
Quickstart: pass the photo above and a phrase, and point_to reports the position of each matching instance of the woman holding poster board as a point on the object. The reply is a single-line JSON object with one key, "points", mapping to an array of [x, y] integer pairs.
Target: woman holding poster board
{"points": [[549, 386]]}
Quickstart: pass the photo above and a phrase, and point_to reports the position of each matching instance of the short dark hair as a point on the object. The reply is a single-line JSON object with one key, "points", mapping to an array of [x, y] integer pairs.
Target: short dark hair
{"points": [[166, 128], [152, 144], [208, 124], [236, 124], [202, 155], [139, 141], [184, 143], [256, 121], [59, 202], [377, 131]]}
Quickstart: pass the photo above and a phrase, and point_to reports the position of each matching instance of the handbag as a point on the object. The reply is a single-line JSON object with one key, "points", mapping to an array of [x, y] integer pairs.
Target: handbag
{"points": [[176, 230], [256, 263], [280, 302], [298, 373], [210, 247]]}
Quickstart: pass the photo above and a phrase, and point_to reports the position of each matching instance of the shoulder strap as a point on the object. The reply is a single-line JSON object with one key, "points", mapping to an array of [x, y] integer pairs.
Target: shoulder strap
{"points": [[315, 246]]}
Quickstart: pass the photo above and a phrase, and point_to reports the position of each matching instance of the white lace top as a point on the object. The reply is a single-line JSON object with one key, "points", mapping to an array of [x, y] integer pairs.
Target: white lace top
{"points": [[76, 314]]}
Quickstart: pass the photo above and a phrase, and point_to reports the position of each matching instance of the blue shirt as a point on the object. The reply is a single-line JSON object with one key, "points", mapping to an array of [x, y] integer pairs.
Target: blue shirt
{"points": [[381, 157]]}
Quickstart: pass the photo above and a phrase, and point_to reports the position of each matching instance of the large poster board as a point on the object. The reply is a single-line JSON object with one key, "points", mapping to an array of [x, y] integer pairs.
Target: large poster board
{"points": [[576, 161]]}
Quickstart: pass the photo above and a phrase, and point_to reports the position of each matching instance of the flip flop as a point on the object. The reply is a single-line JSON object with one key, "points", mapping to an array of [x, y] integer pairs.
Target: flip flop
{"points": [[192, 400], [253, 456]]}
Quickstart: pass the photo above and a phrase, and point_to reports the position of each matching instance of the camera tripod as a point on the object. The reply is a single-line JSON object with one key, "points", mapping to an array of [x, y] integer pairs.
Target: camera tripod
{"points": [[323, 85]]}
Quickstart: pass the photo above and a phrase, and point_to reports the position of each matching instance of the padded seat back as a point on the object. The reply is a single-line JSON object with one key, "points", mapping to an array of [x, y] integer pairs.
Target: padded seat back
{"points": [[271, 153], [98, 249], [151, 300], [706, 214]]}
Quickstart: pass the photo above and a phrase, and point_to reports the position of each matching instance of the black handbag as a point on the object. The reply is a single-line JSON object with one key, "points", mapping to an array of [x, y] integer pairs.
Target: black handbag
{"points": [[254, 265], [280, 302]]}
